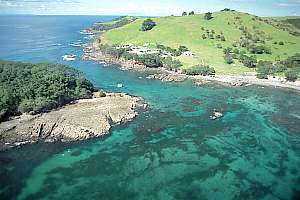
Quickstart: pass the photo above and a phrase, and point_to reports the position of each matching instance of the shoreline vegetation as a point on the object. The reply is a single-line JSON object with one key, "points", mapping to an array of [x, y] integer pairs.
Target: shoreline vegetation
{"points": [[246, 79], [60, 105], [252, 56]]}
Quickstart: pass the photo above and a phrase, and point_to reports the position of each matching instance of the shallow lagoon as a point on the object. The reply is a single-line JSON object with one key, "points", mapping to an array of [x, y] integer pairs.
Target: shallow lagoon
{"points": [[173, 151]]}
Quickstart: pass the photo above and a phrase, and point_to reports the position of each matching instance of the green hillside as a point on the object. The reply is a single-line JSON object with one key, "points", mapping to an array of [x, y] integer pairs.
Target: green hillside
{"points": [[174, 31]]}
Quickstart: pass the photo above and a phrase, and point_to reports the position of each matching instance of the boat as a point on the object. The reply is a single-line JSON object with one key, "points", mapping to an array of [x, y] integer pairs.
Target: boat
{"points": [[71, 57]]}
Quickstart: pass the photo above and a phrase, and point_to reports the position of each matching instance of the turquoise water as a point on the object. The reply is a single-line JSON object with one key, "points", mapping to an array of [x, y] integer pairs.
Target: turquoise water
{"points": [[172, 151]]}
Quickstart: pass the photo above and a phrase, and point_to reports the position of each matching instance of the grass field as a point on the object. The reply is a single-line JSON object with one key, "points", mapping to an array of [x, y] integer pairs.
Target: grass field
{"points": [[174, 31]]}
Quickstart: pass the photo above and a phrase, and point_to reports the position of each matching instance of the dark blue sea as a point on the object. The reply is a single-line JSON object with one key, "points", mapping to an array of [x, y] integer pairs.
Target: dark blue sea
{"points": [[172, 151]]}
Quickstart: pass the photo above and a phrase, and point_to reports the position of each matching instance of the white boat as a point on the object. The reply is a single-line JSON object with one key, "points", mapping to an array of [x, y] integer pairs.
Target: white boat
{"points": [[71, 57]]}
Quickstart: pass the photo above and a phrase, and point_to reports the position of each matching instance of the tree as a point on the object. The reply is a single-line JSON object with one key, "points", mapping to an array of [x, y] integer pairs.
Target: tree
{"points": [[281, 43], [291, 75], [208, 16], [192, 13], [184, 14], [148, 24], [204, 37]]}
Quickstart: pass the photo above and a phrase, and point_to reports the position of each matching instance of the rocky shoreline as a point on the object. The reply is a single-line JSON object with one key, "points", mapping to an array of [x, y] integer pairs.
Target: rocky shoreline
{"points": [[82, 119], [171, 76]]}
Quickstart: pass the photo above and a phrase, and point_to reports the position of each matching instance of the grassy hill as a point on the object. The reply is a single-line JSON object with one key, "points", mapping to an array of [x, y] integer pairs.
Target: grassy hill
{"points": [[174, 31]]}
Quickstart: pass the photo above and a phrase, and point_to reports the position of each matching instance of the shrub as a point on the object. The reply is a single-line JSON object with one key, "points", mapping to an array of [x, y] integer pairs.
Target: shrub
{"points": [[291, 75], [204, 37], [150, 60], [264, 68], [227, 50], [182, 49], [102, 94], [148, 24], [200, 70], [248, 61], [171, 64], [228, 59], [281, 43], [219, 46]]}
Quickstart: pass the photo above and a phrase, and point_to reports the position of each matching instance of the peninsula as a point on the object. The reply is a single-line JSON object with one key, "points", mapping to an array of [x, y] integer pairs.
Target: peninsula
{"points": [[226, 46]]}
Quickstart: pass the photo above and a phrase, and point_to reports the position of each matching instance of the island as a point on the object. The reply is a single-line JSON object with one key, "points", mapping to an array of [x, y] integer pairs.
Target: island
{"points": [[228, 46], [68, 109]]}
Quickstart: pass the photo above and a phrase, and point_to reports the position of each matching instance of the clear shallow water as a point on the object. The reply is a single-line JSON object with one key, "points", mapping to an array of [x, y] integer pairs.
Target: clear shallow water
{"points": [[173, 151]]}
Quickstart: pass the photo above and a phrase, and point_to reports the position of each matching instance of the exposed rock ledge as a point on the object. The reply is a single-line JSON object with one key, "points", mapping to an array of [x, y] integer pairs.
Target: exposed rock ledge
{"points": [[84, 119]]}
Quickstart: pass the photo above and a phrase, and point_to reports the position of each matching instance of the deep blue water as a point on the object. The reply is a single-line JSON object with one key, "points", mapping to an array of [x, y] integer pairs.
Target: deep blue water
{"points": [[173, 151]]}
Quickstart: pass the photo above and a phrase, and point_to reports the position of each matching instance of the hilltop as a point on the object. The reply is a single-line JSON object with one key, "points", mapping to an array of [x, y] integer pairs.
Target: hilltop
{"points": [[267, 39]]}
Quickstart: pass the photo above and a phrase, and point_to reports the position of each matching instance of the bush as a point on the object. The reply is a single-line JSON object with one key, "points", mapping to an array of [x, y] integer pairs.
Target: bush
{"points": [[281, 43], [102, 94], [171, 64], [150, 60], [248, 61], [203, 70], [227, 50], [183, 49], [228, 59], [219, 46], [291, 75], [184, 14], [204, 37], [148, 24], [192, 13], [265, 68]]}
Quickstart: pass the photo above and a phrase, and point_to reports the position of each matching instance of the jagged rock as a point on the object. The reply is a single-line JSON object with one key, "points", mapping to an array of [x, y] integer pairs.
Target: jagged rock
{"points": [[84, 119], [216, 115]]}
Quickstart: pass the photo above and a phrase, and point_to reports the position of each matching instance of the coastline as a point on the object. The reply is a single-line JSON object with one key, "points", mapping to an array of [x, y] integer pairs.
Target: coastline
{"points": [[82, 119], [169, 76]]}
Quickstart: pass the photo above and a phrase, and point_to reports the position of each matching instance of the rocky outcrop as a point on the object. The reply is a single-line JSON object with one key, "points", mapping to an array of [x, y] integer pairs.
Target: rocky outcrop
{"points": [[168, 77], [83, 119]]}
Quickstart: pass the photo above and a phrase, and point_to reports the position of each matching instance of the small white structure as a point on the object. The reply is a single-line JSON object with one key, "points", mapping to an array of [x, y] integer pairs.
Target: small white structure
{"points": [[143, 50], [188, 54]]}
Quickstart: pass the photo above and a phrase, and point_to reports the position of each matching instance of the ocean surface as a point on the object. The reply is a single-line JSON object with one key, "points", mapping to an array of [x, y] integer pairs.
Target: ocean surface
{"points": [[172, 151]]}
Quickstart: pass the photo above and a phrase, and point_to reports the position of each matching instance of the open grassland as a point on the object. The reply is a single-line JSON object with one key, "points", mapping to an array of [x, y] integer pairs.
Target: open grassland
{"points": [[174, 31]]}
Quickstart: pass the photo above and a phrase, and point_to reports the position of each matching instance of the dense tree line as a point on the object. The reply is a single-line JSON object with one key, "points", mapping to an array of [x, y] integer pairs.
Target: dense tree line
{"points": [[39, 87], [203, 70]]}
